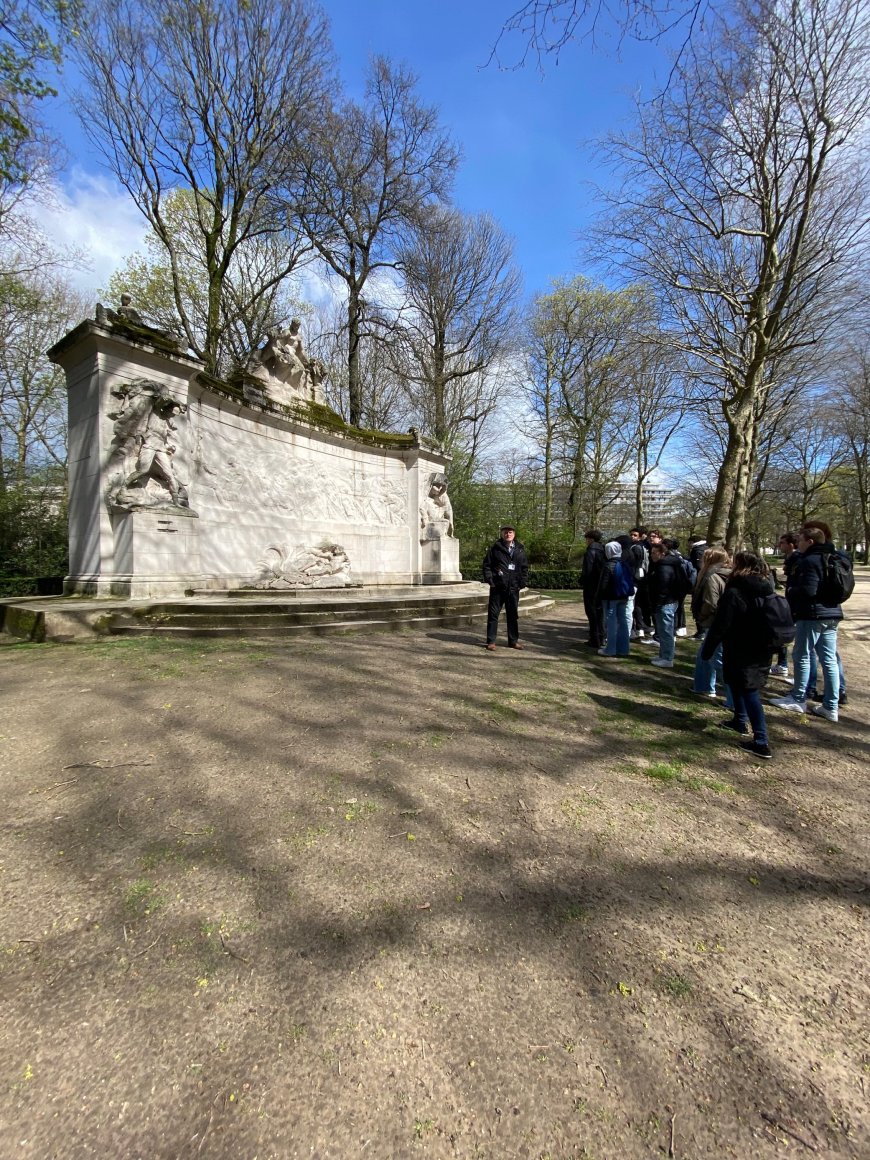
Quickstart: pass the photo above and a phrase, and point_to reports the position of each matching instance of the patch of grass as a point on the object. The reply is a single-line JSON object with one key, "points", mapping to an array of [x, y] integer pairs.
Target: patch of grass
{"points": [[673, 773], [664, 771], [142, 898], [574, 912], [676, 985], [160, 855], [354, 810], [308, 839], [501, 710], [421, 1127], [576, 808]]}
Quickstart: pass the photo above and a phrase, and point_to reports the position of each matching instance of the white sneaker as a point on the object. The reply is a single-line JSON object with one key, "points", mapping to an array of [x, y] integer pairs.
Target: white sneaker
{"points": [[828, 714], [790, 704], [659, 662], [649, 640], [681, 632], [778, 670]]}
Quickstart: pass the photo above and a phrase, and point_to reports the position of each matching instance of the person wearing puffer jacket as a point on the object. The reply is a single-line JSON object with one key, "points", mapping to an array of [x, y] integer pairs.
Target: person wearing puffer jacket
{"points": [[738, 625], [712, 578], [816, 623]]}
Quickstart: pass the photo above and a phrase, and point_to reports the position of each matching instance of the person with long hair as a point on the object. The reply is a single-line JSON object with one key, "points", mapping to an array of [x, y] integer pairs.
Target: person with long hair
{"points": [[712, 578], [739, 627]]}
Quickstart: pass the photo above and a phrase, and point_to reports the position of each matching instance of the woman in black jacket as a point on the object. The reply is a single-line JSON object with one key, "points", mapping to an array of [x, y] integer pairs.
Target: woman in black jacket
{"points": [[739, 626]]}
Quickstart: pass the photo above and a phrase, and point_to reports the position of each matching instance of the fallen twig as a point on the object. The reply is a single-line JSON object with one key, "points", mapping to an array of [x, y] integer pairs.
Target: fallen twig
{"points": [[57, 785], [777, 1123], [145, 950], [189, 833], [604, 1073], [400, 834], [100, 765], [671, 1151], [228, 950]]}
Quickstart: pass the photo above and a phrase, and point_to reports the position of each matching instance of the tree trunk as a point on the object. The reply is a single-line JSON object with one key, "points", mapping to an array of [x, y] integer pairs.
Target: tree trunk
{"points": [[354, 385]]}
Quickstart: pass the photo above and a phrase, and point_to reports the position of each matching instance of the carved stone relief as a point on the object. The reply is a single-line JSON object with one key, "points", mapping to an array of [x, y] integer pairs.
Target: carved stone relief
{"points": [[311, 488], [140, 469], [325, 566], [436, 510]]}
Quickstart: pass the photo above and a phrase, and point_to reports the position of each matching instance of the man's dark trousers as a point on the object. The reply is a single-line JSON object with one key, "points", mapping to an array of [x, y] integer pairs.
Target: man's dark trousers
{"points": [[509, 599], [594, 609]]}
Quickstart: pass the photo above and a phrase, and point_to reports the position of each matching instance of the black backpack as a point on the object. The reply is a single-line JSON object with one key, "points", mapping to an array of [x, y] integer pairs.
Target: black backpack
{"points": [[838, 580], [777, 625], [687, 575]]}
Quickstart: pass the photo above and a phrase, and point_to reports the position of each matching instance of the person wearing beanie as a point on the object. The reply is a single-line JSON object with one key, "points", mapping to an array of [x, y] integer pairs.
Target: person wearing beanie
{"points": [[506, 571]]}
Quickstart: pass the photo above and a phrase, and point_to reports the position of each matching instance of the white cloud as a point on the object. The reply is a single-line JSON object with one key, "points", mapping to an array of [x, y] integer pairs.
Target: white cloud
{"points": [[92, 215]]}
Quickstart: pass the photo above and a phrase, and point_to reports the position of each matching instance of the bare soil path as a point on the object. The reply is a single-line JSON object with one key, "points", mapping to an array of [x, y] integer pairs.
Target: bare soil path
{"points": [[391, 896]]}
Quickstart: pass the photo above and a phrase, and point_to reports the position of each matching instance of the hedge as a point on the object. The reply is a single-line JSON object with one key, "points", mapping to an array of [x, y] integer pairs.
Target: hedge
{"points": [[554, 578], [31, 586]]}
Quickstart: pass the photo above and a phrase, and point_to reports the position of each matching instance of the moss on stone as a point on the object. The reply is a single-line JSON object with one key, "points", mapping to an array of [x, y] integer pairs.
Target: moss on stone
{"points": [[304, 411]]}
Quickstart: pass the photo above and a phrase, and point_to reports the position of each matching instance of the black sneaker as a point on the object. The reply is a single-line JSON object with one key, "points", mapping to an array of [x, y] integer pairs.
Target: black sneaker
{"points": [[757, 750], [844, 700], [734, 725], [815, 695]]}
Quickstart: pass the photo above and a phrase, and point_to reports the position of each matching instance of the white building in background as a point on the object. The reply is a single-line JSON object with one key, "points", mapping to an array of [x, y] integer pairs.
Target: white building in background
{"points": [[618, 515], [659, 503]]}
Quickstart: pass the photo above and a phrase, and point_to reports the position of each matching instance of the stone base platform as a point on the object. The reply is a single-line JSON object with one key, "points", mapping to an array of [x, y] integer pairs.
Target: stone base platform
{"points": [[254, 613]]}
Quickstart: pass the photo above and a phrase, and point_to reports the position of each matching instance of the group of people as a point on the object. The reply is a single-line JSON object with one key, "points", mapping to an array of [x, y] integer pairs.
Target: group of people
{"points": [[636, 586]]}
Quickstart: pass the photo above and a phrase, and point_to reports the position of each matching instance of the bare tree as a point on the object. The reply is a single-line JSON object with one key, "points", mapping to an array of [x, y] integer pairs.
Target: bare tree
{"points": [[743, 203], [852, 409], [216, 98], [459, 321], [256, 296], [382, 387], [373, 169], [545, 27], [579, 344], [36, 309]]}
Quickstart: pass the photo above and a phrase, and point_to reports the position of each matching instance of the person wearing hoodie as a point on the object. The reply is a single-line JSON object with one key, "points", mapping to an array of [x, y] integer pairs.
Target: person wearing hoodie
{"points": [[712, 578], [739, 627], [616, 591]]}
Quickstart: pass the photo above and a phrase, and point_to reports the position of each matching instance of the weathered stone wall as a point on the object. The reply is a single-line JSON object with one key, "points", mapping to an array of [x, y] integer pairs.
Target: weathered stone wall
{"points": [[260, 479]]}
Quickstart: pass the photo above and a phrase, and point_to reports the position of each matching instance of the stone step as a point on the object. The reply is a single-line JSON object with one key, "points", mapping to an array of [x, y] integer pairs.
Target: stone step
{"points": [[209, 622], [216, 615]]}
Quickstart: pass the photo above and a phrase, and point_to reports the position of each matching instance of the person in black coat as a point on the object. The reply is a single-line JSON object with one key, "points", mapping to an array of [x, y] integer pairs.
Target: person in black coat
{"points": [[506, 571], [739, 626], [594, 564], [816, 622]]}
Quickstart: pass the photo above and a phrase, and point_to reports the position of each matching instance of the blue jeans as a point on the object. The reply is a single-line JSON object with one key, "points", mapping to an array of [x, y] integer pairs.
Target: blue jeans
{"points": [[618, 620], [819, 636], [814, 673], [666, 616], [707, 673], [748, 707]]}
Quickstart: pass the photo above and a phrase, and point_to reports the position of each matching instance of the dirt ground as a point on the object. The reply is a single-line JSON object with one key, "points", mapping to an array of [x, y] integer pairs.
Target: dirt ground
{"points": [[390, 896]]}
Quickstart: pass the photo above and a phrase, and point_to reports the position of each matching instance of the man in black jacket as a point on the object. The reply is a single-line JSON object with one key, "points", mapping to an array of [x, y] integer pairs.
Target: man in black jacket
{"points": [[816, 618], [506, 571], [594, 564]]}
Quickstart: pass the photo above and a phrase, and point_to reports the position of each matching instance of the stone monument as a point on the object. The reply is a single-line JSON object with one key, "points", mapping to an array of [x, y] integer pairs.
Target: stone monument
{"points": [[181, 482]]}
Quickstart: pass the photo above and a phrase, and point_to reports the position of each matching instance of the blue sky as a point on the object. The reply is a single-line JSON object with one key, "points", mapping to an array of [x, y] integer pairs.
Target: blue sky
{"points": [[525, 137]]}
